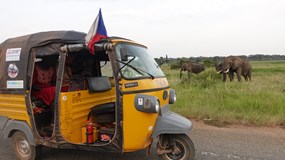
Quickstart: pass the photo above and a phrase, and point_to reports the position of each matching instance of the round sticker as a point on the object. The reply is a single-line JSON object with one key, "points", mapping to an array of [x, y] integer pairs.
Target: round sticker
{"points": [[64, 98], [13, 70]]}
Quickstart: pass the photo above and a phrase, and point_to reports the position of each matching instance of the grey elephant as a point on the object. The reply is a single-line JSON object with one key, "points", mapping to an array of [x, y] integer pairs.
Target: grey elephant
{"points": [[218, 68], [234, 64], [191, 67]]}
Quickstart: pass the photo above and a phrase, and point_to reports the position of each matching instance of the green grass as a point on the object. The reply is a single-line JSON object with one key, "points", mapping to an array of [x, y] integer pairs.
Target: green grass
{"points": [[259, 102]]}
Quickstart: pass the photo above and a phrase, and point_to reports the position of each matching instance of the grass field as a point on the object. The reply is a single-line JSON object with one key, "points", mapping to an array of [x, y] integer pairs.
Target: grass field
{"points": [[260, 102]]}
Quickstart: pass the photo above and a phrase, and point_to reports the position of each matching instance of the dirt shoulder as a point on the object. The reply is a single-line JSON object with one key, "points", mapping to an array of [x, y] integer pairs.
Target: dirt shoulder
{"points": [[238, 142], [276, 131]]}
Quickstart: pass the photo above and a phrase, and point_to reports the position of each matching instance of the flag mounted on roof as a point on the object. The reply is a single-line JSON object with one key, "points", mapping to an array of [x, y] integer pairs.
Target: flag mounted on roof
{"points": [[96, 32]]}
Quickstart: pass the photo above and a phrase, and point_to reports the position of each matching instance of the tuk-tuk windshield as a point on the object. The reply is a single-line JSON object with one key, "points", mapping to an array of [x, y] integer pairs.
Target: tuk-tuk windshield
{"points": [[135, 62]]}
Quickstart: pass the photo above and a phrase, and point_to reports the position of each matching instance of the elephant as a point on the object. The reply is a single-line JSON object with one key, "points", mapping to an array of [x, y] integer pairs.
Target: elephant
{"points": [[191, 67], [246, 70], [218, 68], [234, 64]]}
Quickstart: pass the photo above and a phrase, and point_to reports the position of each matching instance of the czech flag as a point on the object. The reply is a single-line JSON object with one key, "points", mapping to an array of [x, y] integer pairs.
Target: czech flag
{"points": [[96, 32]]}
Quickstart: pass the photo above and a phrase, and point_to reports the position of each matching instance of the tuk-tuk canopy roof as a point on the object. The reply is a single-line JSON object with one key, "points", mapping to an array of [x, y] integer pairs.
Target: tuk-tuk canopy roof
{"points": [[43, 38]]}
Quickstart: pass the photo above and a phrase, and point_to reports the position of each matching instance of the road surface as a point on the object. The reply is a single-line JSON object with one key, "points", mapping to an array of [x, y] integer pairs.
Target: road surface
{"points": [[211, 143]]}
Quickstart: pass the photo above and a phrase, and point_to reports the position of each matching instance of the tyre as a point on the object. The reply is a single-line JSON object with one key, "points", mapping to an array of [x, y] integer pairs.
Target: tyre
{"points": [[184, 148], [22, 148]]}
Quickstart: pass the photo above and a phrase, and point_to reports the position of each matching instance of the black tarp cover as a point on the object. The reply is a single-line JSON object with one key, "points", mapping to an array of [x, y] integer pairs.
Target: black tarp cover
{"points": [[14, 55]]}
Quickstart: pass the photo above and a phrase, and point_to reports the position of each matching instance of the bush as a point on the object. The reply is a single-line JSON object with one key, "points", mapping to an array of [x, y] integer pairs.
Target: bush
{"points": [[209, 63], [207, 79], [175, 65]]}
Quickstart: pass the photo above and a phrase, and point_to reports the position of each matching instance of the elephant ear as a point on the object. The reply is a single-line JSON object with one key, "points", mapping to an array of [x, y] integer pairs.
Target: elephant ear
{"points": [[236, 64]]}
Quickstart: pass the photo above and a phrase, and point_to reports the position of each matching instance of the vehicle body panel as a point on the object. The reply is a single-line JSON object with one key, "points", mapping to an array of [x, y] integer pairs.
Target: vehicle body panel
{"points": [[74, 109], [14, 107], [138, 126], [171, 123]]}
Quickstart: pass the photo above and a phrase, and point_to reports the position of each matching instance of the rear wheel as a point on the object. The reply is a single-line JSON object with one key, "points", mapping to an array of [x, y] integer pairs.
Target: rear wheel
{"points": [[177, 147], [22, 148]]}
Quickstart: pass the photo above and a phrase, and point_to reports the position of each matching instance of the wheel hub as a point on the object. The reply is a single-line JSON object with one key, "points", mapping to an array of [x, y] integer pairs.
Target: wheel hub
{"points": [[177, 151], [24, 148]]}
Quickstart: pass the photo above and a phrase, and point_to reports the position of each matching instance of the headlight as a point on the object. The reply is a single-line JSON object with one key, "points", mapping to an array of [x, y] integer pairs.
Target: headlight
{"points": [[147, 103], [172, 97]]}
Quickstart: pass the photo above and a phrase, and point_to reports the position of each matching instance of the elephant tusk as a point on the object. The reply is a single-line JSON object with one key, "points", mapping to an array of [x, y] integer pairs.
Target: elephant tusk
{"points": [[227, 71], [219, 71]]}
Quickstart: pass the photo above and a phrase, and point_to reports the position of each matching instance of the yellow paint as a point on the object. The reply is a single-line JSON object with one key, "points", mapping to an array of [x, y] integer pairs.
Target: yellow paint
{"points": [[146, 84], [14, 107], [74, 109], [138, 126]]}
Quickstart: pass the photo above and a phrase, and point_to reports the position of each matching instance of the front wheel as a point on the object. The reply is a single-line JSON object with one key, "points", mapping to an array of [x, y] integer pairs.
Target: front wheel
{"points": [[176, 147], [22, 148]]}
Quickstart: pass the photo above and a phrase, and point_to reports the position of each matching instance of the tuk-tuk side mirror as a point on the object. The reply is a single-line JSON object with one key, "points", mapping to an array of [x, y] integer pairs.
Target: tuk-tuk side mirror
{"points": [[124, 54], [166, 60]]}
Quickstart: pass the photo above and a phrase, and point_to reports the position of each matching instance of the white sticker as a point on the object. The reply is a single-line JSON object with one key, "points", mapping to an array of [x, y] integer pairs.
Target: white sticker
{"points": [[64, 98], [15, 84], [140, 101], [13, 54], [13, 70]]}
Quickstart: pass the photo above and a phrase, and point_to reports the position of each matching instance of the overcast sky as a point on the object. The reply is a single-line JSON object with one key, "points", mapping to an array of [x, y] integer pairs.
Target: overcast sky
{"points": [[178, 28]]}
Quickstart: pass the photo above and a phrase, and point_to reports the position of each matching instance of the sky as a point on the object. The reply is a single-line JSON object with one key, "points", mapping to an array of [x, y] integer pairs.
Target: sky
{"points": [[178, 28]]}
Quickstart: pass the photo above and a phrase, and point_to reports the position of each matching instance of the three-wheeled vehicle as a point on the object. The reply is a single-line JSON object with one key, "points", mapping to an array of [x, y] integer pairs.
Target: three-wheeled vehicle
{"points": [[117, 99]]}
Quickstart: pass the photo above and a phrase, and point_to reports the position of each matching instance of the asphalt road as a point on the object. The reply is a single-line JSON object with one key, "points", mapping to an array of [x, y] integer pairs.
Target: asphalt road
{"points": [[212, 143]]}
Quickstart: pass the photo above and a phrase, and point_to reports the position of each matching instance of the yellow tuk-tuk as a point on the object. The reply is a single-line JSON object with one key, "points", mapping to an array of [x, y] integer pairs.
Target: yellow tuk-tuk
{"points": [[116, 100]]}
